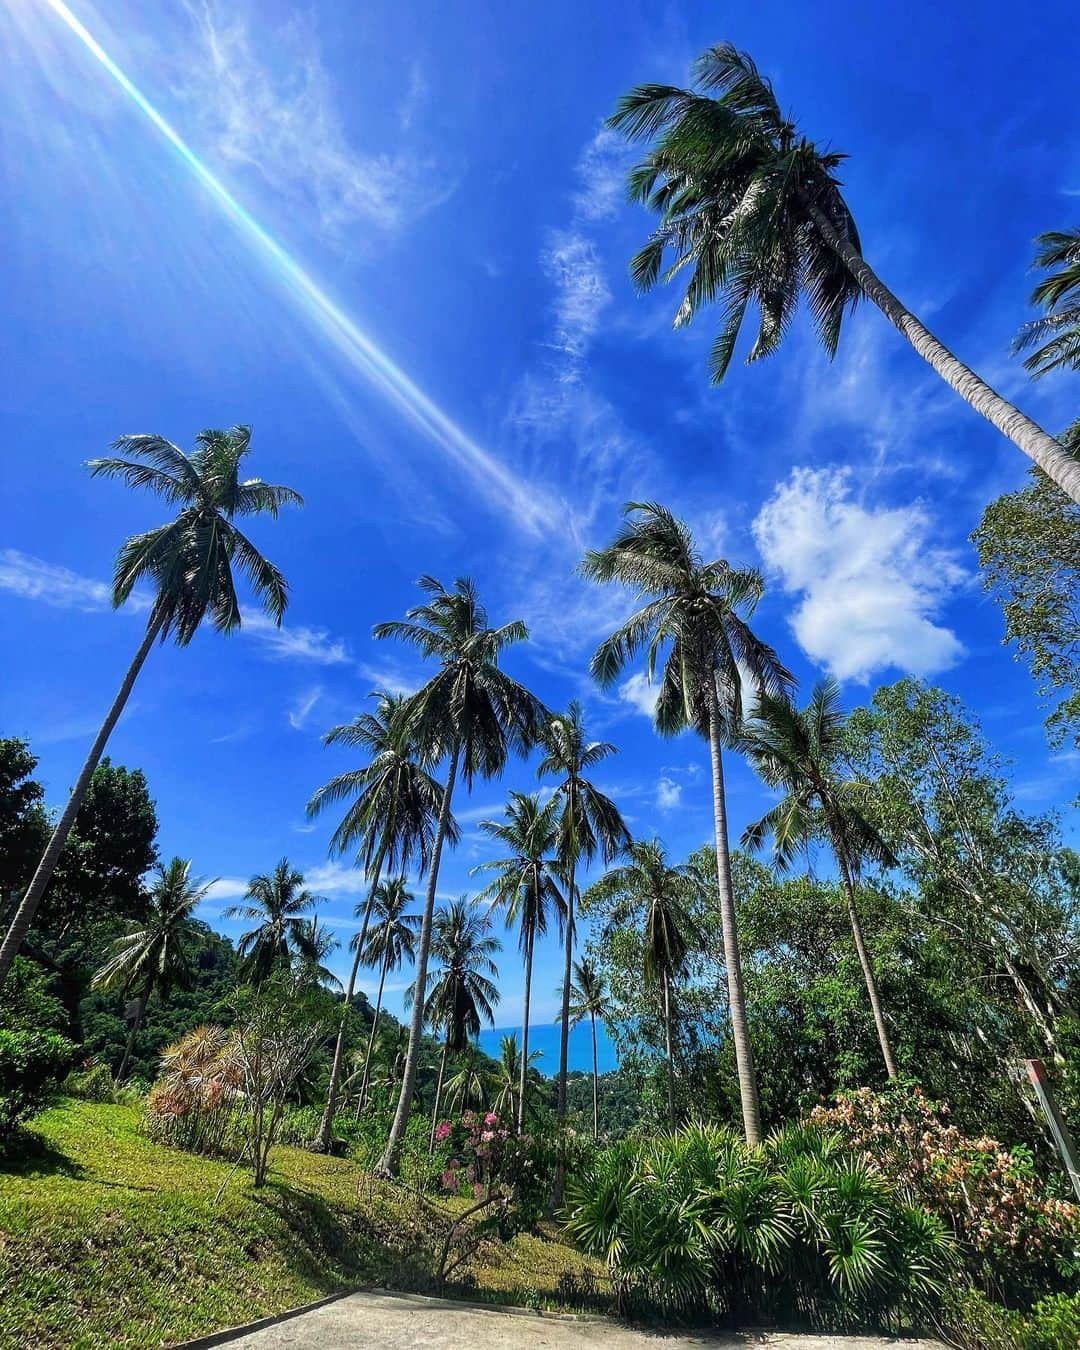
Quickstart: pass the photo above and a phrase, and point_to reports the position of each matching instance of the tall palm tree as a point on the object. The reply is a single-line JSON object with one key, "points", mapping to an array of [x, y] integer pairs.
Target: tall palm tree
{"points": [[152, 955], [390, 942], [276, 903], [753, 212], [1056, 336], [472, 714], [461, 995], [315, 944], [588, 995], [800, 753], [189, 563], [468, 1085], [526, 890], [589, 824], [390, 822], [648, 888], [697, 612], [506, 1079]]}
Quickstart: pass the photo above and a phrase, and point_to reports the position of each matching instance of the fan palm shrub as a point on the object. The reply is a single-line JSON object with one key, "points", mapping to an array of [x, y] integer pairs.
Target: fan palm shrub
{"points": [[189, 563], [752, 213]]}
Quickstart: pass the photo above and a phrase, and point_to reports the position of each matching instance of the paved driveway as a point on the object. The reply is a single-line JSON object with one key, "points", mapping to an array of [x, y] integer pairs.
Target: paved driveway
{"points": [[396, 1321]]}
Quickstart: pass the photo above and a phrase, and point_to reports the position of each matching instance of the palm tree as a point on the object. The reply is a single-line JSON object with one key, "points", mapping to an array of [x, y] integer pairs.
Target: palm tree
{"points": [[752, 211], [390, 821], [462, 994], [649, 888], [506, 1080], [189, 563], [468, 1085], [588, 995], [471, 714], [1058, 331], [589, 824], [391, 941], [800, 752], [315, 944], [695, 611], [276, 903], [525, 888], [152, 955]]}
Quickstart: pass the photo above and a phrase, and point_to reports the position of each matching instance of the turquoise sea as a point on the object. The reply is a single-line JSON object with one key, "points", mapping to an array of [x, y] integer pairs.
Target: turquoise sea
{"points": [[545, 1038]]}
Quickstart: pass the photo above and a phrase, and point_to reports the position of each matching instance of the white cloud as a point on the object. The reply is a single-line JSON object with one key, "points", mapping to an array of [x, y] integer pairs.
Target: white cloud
{"points": [[227, 888], [581, 293], [602, 172], [270, 106], [639, 693], [34, 579], [335, 878], [668, 794], [871, 579], [389, 677], [299, 713], [294, 644]]}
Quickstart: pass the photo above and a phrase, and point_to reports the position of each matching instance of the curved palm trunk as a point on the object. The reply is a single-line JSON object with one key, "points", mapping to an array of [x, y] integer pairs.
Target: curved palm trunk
{"points": [[1049, 454], [136, 1023], [525, 1030], [366, 1080], [595, 1084], [744, 1057], [867, 967], [326, 1125], [24, 915], [665, 984], [438, 1098], [388, 1164]]}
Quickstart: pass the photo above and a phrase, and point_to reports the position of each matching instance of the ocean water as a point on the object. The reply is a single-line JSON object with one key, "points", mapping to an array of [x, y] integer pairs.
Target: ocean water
{"points": [[545, 1038]]}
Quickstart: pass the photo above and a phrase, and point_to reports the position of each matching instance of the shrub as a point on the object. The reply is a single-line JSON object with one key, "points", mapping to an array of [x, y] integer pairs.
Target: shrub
{"points": [[31, 1064], [91, 1083], [798, 1229]]}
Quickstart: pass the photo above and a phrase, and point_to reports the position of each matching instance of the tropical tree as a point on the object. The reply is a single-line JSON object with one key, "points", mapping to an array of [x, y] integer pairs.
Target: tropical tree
{"points": [[152, 955], [587, 995], [694, 611], [589, 824], [648, 889], [462, 993], [315, 944], [507, 1077], [468, 1084], [526, 890], [1056, 336], [189, 564], [472, 715], [390, 822], [751, 211], [801, 753], [391, 941], [276, 903]]}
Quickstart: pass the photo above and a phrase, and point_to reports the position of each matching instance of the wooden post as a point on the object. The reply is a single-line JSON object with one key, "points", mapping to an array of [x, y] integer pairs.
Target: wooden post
{"points": [[1036, 1072]]}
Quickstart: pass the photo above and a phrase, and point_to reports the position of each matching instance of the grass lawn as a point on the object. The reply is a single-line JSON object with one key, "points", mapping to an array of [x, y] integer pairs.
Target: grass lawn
{"points": [[107, 1239]]}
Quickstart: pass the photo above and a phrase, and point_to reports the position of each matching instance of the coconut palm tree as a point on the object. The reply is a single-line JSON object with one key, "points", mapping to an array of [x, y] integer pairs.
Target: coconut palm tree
{"points": [[152, 955], [275, 902], [506, 1080], [801, 753], [752, 212], [391, 941], [647, 889], [390, 822], [526, 890], [461, 994], [588, 995], [189, 564], [696, 612], [315, 944], [468, 1085], [589, 825], [1056, 336], [471, 714]]}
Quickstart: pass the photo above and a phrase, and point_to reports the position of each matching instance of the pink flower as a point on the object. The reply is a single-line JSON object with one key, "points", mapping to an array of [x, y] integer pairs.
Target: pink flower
{"points": [[443, 1132], [491, 1118]]}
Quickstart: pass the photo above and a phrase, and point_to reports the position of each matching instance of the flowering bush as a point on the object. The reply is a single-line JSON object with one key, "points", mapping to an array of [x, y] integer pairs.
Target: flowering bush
{"points": [[1014, 1235]]}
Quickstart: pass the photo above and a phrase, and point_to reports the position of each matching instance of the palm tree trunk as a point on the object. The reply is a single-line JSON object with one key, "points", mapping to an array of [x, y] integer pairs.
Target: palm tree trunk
{"points": [[665, 985], [136, 1023], [867, 968], [564, 1029], [24, 915], [388, 1164], [525, 1030], [371, 1038], [326, 1125], [438, 1098], [595, 1084], [1049, 454], [744, 1057]]}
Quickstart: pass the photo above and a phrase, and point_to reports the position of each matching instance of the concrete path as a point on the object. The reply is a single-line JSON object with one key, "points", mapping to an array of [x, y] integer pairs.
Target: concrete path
{"points": [[396, 1321]]}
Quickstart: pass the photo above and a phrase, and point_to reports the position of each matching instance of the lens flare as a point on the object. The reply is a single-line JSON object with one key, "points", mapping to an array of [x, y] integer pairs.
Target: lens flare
{"points": [[532, 507]]}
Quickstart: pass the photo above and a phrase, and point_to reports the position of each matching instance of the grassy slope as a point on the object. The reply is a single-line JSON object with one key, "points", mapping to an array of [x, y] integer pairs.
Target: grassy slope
{"points": [[108, 1239]]}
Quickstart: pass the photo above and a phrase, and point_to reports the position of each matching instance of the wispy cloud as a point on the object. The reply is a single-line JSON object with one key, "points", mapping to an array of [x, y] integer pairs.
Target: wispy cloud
{"points": [[581, 294], [601, 173], [294, 643], [639, 693], [668, 794], [870, 579], [302, 708], [227, 888]]}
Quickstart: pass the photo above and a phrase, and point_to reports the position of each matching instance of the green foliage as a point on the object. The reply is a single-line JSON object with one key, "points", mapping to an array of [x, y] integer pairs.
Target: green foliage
{"points": [[24, 829], [94, 1083], [1055, 336], [31, 1065], [30, 999], [797, 1228]]}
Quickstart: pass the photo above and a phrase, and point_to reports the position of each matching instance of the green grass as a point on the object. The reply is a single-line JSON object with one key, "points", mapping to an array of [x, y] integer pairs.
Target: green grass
{"points": [[109, 1239]]}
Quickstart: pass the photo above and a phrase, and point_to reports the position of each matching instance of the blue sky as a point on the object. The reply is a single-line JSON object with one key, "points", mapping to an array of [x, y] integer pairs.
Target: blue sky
{"points": [[474, 388]]}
